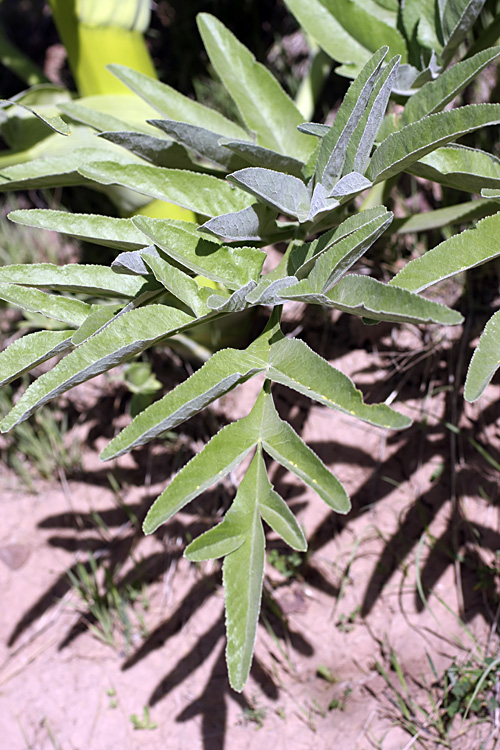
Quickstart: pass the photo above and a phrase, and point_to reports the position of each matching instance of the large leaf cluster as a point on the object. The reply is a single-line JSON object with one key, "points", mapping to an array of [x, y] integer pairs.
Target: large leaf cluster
{"points": [[285, 180], [427, 34]]}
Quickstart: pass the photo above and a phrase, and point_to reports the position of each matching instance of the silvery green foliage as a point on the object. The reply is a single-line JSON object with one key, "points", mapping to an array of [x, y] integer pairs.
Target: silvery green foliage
{"points": [[426, 33], [287, 181]]}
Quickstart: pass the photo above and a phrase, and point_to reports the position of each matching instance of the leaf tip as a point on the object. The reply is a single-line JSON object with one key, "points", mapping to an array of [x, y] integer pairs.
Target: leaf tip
{"points": [[149, 525], [106, 453]]}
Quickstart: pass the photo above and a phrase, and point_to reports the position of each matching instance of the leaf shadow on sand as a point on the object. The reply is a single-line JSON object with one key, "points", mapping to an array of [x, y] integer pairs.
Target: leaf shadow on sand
{"points": [[78, 533]]}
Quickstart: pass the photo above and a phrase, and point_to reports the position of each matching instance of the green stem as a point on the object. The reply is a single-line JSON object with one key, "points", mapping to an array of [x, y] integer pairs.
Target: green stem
{"points": [[312, 84], [19, 63]]}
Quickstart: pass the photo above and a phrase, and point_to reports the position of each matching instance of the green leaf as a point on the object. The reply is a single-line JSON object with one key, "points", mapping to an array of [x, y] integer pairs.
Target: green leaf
{"points": [[317, 129], [226, 449], [414, 141], [268, 292], [243, 575], [347, 31], [485, 361], [459, 167], [289, 361], [362, 295], [278, 190], [428, 32], [412, 12], [173, 105], [254, 223], [229, 535], [283, 444], [321, 205], [264, 106], [205, 143], [131, 263], [125, 336], [372, 299], [30, 351], [107, 231], [54, 123], [300, 259], [333, 263], [235, 303], [51, 171], [435, 95], [390, 5], [315, 18], [111, 112], [407, 77], [351, 183], [100, 316], [104, 120], [224, 370], [223, 539], [457, 18], [182, 286], [367, 28], [258, 156], [280, 518], [442, 217], [294, 364], [332, 152], [67, 310], [233, 267], [362, 140], [157, 151], [93, 280], [470, 248], [200, 193]]}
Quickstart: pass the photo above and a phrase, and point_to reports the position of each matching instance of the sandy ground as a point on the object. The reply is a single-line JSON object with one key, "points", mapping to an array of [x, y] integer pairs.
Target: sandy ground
{"points": [[421, 517]]}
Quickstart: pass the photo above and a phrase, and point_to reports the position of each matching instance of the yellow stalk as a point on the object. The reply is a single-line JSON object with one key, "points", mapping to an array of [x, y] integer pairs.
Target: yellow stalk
{"points": [[98, 32]]}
